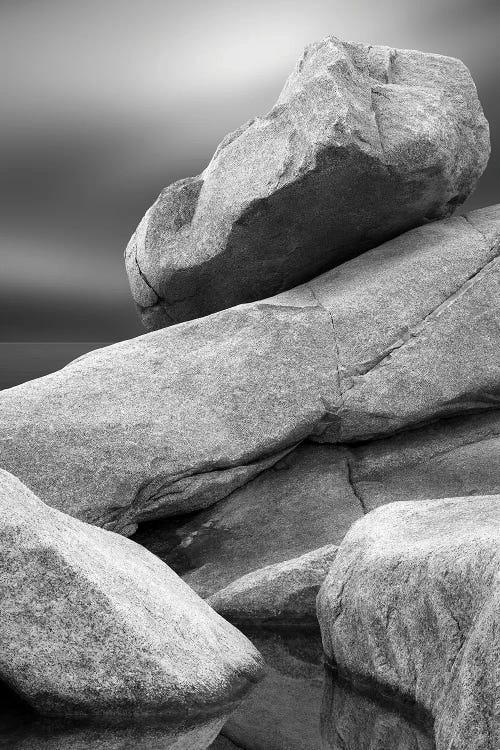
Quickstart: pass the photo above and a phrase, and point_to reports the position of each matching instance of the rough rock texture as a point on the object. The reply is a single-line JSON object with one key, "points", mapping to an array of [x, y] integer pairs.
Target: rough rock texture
{"points": [[175, 420], [314, 494], [363, 143], [93, 624], [282, 593], [412, 603], [354, 721], [302, 502]]}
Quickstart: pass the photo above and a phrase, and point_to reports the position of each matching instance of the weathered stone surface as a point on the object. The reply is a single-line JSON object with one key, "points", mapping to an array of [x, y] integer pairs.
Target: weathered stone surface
{"points": [[412, 603], [304, 501], [314, 494], [176, 420], [363, 143], [281, 593], [94, 625]]}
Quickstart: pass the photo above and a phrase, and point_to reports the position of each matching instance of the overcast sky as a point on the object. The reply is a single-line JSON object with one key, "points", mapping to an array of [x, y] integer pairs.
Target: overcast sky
{"points": [[106, 101]]}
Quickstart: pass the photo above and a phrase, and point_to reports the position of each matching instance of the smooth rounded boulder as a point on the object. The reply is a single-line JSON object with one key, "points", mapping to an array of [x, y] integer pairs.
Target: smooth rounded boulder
{"points": [[93, 625], [363, 143], [412, 606]]}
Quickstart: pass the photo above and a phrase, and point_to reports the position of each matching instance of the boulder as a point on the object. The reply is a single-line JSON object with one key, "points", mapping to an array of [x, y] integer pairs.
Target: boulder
{"points": [[314, 494], [176, 420], [94, 625], [412, 604], [363, 143], [280, 594]]}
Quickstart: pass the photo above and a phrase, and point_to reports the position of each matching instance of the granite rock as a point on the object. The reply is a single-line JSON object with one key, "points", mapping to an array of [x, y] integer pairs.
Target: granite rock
{"points": [[412, 604], [176, 420], [313, 495], [362, 144], [283, 593], [93, 625]]}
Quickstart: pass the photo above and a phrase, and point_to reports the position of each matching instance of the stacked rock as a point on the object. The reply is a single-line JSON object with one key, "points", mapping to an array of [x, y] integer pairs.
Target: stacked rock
{"points": [[324, 340]]}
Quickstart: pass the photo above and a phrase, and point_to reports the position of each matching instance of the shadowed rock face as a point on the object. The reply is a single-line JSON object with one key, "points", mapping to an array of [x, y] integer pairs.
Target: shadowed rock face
{"points": [[93, 625], [352, 720], [176, 420], [363, 143], [412, 603]]}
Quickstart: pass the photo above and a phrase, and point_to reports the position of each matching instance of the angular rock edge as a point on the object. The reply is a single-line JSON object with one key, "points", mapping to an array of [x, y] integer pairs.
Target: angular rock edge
{"points": [[94, 625], [363, 143]]}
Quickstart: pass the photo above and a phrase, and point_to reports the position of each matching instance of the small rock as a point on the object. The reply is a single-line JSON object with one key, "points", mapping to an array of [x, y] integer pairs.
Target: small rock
{"points": [[412, 605], [284, 593], [94, 625], [363, 143]]}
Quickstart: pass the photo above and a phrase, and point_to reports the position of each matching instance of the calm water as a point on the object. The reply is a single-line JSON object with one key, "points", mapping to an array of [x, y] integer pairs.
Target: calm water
{"points": [[22, 361], [300, 705]]}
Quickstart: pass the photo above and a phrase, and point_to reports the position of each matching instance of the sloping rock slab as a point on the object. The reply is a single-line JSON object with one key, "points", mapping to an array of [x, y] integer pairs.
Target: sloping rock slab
{"points": [[314, 494], [412, 603], [176, 420], [363, 143], [93, 624], [284, 593]]}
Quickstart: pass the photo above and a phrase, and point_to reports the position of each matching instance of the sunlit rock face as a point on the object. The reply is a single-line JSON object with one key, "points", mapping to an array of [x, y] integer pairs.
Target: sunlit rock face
{"points": [[363, 143], [178, 419], [411, 603], [95, 626]]}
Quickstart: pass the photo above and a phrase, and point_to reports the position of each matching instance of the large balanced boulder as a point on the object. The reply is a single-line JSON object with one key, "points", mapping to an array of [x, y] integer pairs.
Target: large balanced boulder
{"points": [[94, 625], [412, 604], [176, 420], [363, 143]]}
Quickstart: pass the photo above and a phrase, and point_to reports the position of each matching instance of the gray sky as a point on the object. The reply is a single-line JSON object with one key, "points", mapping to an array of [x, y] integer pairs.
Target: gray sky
{"points": [[107, 101]]}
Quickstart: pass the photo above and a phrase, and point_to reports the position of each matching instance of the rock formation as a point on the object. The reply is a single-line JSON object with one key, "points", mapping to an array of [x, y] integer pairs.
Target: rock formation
{"points": [[363, 143], [176, 420], [283, 593], [94, 625], [412, 604]]}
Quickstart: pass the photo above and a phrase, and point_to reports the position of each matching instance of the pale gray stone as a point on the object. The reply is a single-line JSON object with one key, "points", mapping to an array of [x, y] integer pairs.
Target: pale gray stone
{"points": [[283, 593], [176, 420], [363, 143], [314, 494], [94, 625], [412, 604]]}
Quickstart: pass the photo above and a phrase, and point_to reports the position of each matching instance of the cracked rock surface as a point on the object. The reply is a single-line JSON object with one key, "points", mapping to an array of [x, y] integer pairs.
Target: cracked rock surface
{"points": [[93, 625], [176, 420], [363, 143], [312, 497], [412, 604]]}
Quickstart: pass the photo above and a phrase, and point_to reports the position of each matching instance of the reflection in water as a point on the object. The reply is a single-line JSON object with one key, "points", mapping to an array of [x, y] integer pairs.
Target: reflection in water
{"points": [[301, 705], [353, 721], [22, 729], [283, 711]]}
